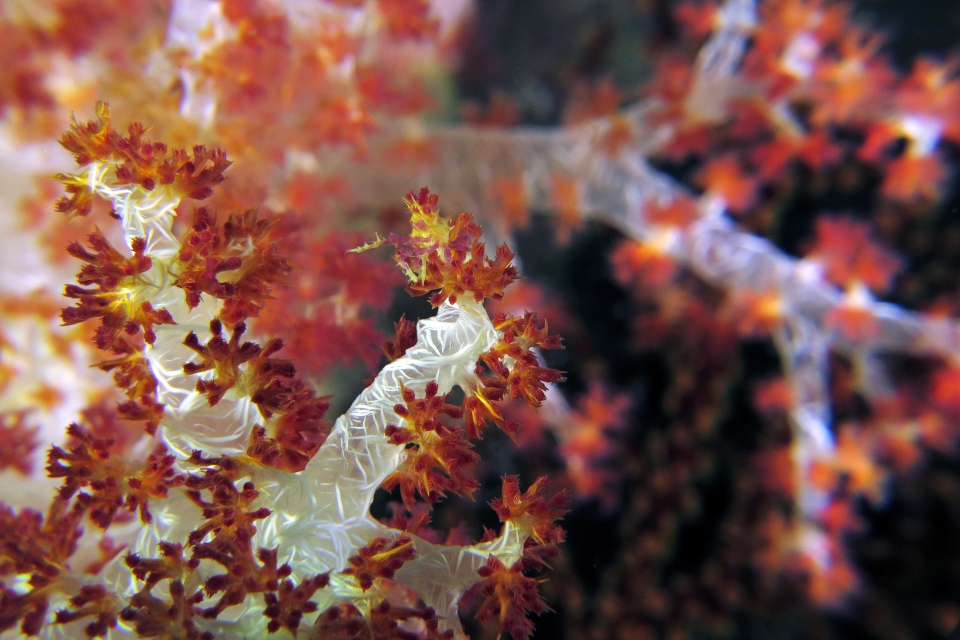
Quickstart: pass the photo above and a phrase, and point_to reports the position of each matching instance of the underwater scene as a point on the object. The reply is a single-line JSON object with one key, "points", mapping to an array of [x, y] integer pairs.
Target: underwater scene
{"points": [[479, 319]]}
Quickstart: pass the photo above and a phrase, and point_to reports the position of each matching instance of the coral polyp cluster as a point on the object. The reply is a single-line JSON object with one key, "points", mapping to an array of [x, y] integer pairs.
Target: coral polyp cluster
{"points": [[252, 511], [740, 214]]}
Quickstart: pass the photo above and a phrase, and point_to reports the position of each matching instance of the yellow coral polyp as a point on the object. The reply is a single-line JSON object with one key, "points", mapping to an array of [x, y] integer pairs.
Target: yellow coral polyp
{"points": [[427, 224], [130, 295]]}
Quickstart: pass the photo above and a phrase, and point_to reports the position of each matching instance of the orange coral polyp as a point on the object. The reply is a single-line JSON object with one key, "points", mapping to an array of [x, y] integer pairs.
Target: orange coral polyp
{"points": [[531, 510], [524, 377], [439, 458], [446, 257]]}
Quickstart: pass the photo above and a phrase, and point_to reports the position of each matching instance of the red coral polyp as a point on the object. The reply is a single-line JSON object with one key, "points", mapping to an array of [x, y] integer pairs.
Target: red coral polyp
{"points": [[381, 558], [138, 162], [246, 247], [221, 357], [509, 596], [109, 482], [117, 296], [295, 427]]}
